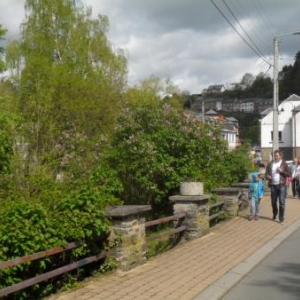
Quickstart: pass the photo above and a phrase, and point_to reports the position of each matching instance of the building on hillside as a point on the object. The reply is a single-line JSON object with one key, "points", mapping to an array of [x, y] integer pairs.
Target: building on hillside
{"points": [[214, 89], [211, 98], [196, 104], [263, 103], [209, 103], [288, 129], [227, 105], [249, 105], [213, 103]]}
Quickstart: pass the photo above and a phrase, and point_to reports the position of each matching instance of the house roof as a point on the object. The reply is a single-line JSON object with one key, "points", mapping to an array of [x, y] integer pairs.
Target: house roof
{"points": [[293, 97], [232, 119], [266, 111], [211, 112], [216, 87]]}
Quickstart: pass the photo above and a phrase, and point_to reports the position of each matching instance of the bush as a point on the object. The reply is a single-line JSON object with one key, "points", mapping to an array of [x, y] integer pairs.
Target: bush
{"points": [[155, 148], [37, 224]]}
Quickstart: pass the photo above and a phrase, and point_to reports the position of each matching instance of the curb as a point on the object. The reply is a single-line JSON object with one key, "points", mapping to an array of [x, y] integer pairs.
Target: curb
{"points": [[222, 286]]}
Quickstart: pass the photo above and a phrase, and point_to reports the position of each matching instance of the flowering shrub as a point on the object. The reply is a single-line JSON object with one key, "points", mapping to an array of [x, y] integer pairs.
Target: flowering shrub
{"points": [[156, 147]]}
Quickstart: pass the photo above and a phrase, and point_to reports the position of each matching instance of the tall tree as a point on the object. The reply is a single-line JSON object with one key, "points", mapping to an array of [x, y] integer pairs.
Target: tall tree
{"points": [[70, 77]]}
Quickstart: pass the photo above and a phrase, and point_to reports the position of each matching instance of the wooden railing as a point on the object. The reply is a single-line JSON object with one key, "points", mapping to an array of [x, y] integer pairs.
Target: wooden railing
{"points": [[62, 249], [168, 232], [35, 256], [217, 214]]}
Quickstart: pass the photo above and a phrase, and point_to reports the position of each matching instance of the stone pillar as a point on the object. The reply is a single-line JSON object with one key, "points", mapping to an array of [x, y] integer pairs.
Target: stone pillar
{"points": [[233, 196], [197, 210], [231, 206], [243, 195], [129, 225]]}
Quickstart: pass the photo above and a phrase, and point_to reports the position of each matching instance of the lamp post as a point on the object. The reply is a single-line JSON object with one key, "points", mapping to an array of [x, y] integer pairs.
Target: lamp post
{"points": [[276, 90]]}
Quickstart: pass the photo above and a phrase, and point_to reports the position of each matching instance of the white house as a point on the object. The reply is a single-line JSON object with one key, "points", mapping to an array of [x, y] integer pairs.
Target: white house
{"points": [[229, 128], [230, 134], [288, 129], [247, 106], [214, 89]]}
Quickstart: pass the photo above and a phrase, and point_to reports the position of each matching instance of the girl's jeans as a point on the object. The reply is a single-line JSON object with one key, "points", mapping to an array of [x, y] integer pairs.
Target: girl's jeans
{"points": [[254, 206]]}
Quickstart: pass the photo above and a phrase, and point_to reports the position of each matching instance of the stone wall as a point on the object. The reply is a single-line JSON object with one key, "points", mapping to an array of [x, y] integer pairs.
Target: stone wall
{"points": [[197, 214], [129, 222], [129, 226]]}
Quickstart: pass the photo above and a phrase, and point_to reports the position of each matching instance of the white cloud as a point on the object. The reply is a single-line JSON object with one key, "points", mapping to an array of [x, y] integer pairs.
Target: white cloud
{"points": [[189, 41]]}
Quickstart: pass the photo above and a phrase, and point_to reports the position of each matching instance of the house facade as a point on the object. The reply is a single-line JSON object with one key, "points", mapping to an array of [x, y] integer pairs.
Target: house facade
{"points": [[288, 129], [229, 128]]}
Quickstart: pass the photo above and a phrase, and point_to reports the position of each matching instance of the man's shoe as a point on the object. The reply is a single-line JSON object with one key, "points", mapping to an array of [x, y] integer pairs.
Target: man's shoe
{"points": [[256, 218], [281, 222], [274, 217], [250, 218]]}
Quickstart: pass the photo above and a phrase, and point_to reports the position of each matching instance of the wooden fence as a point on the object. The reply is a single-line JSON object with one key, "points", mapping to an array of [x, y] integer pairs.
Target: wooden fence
{"points": [[88, 260]]}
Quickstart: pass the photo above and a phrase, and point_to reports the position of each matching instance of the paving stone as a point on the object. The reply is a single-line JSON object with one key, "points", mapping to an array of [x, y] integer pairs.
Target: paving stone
{"points": [[181, 273]]}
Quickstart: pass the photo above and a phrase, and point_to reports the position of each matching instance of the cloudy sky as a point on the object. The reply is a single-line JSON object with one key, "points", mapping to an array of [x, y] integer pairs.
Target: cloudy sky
{"points": [[194, 42]]}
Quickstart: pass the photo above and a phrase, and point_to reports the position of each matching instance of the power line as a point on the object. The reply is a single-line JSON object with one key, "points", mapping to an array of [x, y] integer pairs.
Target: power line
{"points": [[268, 21], [254, 50], [245, 9], [243, 29]]}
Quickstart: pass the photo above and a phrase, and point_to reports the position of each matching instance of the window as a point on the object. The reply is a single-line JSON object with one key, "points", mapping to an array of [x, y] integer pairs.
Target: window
{"points": [[279, 136]]}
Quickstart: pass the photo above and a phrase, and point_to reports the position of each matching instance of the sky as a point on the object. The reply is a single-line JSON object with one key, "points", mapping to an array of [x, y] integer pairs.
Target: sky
{"points": [[196, 43]]}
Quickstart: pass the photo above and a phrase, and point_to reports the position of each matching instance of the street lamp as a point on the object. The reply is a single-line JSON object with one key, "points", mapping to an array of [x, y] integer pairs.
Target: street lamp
{"points": [[276, 90]]}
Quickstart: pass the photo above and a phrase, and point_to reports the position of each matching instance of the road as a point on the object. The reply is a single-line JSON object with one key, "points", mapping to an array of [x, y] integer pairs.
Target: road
{"points": [[277, 277]]}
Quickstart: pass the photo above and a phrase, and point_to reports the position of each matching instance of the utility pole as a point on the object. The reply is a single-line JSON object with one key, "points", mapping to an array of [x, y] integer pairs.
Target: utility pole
{"points": [[275, 96], [275, 89]]}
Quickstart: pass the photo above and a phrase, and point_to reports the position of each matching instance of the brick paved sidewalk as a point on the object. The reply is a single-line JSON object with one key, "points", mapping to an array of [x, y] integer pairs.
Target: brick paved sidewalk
{"points": [[182, 272]]}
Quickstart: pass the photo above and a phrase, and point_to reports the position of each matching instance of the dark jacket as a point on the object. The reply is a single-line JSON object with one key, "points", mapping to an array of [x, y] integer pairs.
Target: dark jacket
{"points": [[283, 175]]}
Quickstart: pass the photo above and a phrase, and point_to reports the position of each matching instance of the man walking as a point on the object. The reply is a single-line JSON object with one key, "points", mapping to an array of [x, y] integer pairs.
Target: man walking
{"points": [[276, 173]]}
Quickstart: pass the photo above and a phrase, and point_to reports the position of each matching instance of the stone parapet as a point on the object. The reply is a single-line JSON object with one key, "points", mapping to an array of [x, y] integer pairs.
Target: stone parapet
{"points": [[129, 225], [238, 194], [231, 206], [197, 214]]}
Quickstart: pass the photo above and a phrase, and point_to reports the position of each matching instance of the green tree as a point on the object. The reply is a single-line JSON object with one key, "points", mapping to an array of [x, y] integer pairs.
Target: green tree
{"points": [[261, 87], [70, 78], [156, 147], [289, 84]]}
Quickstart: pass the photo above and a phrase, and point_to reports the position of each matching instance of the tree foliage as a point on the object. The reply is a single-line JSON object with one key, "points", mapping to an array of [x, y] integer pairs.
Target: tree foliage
{"points": [[156, 147], [262, 87], [69, 76], [81, 142], [290, 79]]}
